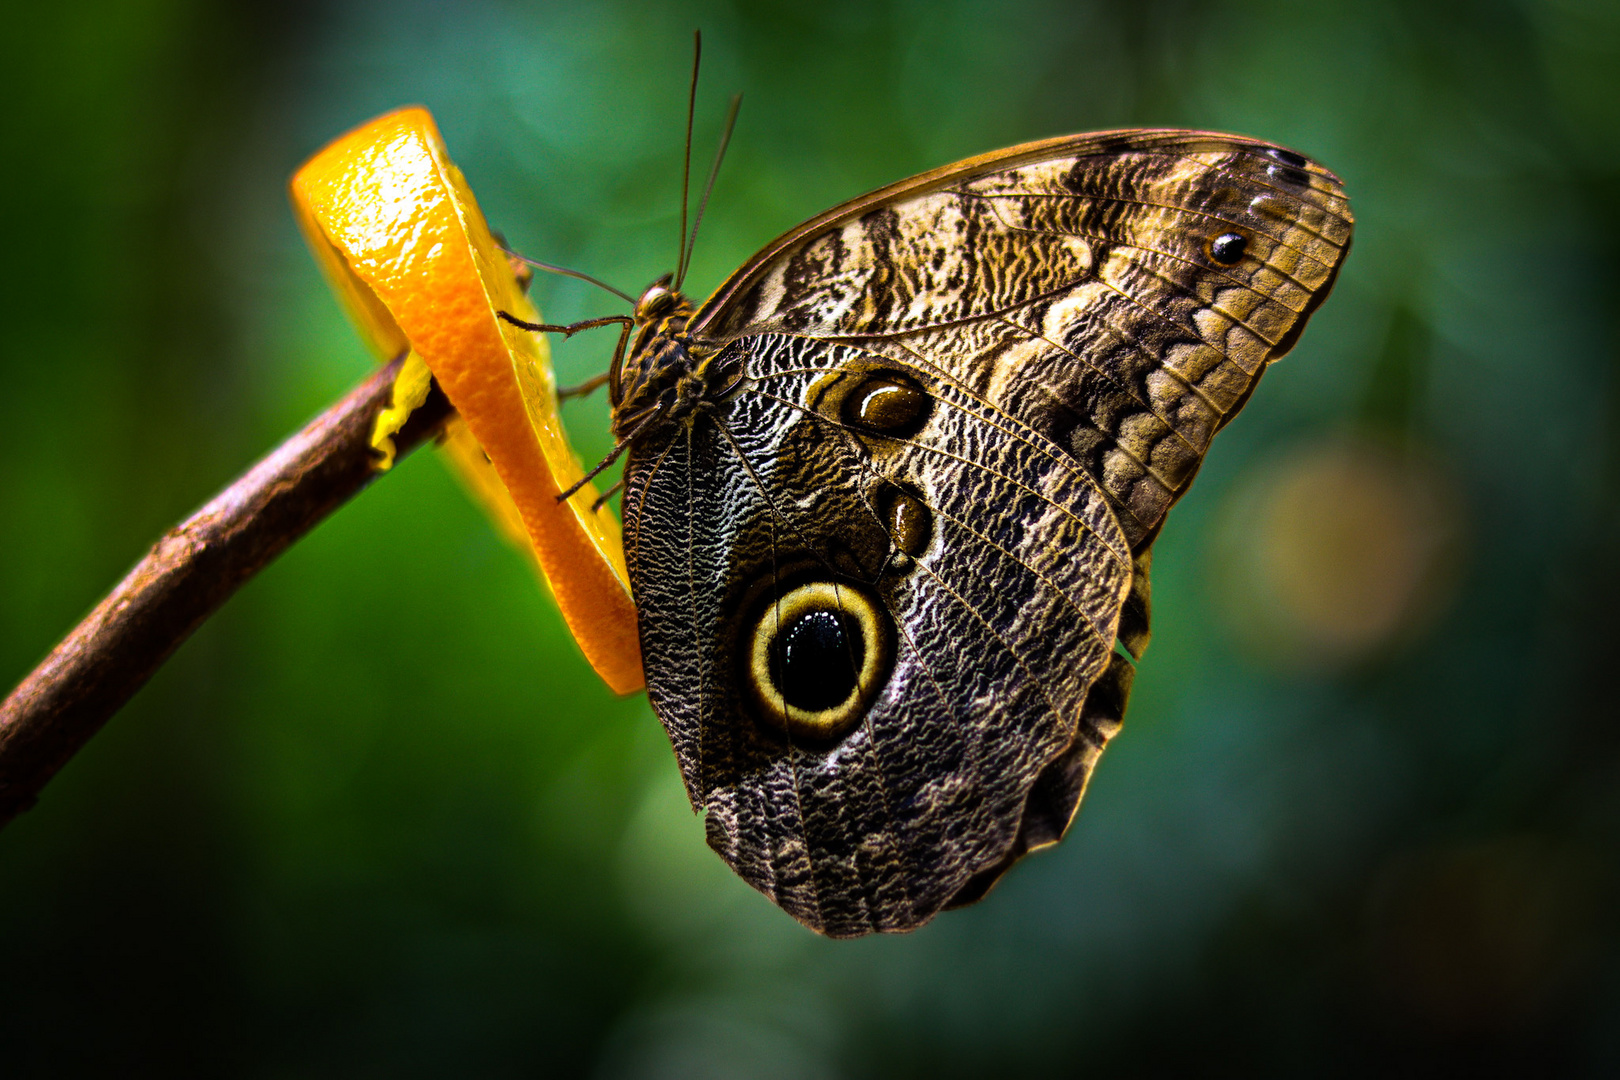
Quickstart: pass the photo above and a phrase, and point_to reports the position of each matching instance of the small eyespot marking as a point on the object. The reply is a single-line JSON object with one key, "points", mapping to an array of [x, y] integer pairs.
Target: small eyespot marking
{"points": [[1289, 175], [909, 522], [1228, 248]]}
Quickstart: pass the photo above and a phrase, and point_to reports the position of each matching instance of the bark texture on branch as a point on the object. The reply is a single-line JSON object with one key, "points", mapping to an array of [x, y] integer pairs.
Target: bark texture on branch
{"points": [[187, 575]]}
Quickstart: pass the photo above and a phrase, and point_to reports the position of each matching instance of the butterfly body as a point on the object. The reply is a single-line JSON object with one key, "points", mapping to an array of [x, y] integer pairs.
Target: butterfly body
{"points": [[891, 494]]}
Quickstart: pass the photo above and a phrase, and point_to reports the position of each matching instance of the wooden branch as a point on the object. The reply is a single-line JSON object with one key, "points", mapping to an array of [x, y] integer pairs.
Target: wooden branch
{"points": [[185, 578]]}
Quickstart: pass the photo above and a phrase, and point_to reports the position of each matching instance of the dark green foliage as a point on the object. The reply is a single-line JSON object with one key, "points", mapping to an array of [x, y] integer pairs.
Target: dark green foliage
{"points": [[378, 817]]}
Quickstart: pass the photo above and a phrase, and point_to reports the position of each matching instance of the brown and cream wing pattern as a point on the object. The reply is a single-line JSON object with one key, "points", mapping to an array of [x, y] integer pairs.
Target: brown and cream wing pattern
{"points": [[1121, 292]]}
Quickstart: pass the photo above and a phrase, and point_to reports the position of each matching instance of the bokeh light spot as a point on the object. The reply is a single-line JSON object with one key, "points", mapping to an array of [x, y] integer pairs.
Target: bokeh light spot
{"points": [[1335, 551]]}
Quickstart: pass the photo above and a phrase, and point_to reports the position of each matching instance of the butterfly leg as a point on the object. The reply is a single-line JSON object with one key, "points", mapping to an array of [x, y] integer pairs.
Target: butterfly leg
{"points": [[570, 329], [618, 363], [613, 455], [601, 500], [589, 386], [625, 324]]}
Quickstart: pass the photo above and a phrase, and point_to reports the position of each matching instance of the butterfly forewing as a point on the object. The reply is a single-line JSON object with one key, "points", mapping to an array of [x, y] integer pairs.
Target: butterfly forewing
{"points": [[1073, 284], [963, 406]]}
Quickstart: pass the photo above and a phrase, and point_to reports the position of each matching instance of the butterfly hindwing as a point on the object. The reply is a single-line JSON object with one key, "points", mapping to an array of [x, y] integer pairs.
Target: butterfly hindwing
{"points": [[1019, 608]]}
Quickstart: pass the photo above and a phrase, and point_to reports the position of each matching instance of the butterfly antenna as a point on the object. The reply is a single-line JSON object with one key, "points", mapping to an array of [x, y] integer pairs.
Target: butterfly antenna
{"points": [[686, 169], [714, 171], [565, 272]]}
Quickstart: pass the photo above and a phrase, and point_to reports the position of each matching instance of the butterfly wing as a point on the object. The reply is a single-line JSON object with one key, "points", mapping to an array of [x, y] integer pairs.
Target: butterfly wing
{"points": [[1064, 326], [985, 641], [1075, 283]]}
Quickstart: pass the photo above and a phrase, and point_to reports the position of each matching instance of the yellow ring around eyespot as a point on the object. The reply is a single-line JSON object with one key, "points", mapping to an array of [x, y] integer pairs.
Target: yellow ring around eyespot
{"points": [[817, 596], [393, 224]]}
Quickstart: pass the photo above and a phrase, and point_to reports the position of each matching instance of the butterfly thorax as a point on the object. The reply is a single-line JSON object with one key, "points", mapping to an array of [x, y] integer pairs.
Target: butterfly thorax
{"points": [[664, 376]]}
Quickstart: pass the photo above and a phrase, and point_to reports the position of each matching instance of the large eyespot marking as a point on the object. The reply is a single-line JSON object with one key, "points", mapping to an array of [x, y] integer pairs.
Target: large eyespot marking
{"points": [[818, 656], [887, 403]]}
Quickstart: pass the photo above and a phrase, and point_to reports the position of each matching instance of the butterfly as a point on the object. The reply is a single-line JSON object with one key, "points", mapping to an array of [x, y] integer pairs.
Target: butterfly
{"points": [[891, 494]]}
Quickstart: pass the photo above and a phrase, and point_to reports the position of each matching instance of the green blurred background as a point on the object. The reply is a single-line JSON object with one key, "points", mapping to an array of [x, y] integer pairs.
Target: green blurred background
{"points": [[378, 817]]}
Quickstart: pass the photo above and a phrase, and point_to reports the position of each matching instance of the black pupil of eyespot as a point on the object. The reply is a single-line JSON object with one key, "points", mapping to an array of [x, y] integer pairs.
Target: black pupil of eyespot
{"points": [[1289, 175], [817, 660], [1228, 247]]}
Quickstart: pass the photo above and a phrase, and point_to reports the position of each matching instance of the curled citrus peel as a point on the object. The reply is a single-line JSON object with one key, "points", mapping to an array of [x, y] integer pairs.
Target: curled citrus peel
{"points": [[395, 228]]}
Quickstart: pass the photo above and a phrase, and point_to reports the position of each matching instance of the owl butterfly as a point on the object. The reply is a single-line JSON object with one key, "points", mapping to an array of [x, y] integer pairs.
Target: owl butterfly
{"points": [[892, 491]]}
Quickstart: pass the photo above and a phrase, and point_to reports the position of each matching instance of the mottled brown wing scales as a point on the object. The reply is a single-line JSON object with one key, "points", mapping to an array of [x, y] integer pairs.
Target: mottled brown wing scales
{"points": [[1083, 315], [1019, 608], [1139, 344], [1136, 618], [1056, 793]]}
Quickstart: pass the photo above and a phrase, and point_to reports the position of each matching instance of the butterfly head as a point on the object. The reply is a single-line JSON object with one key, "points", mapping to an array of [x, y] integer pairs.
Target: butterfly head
{"points": [[659, 301]]}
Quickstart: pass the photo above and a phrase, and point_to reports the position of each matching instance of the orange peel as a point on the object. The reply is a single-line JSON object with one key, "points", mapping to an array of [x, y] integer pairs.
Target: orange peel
{"points": [[400, 237]]}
